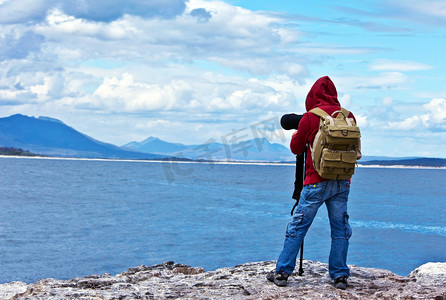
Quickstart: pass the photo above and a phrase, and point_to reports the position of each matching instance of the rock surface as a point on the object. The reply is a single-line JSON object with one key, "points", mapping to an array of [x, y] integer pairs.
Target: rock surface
{"points": [[176, 281]]}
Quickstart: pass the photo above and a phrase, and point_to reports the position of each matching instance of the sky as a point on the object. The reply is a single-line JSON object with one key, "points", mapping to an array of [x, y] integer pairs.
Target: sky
{"points": [[194, 71]]}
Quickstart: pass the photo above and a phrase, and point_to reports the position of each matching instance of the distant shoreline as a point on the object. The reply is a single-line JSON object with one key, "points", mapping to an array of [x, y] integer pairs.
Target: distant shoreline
{"points": [[400, 167], [172, 160]]}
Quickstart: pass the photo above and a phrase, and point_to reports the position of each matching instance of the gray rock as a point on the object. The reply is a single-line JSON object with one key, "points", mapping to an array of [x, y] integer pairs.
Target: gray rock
{"points": [[430, 274], [8, 290], [177, 281]]}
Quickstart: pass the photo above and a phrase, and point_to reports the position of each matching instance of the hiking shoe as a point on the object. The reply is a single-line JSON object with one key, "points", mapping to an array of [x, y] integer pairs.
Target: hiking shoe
{"points": [[341, 282], [279, 279], [270, 275]]}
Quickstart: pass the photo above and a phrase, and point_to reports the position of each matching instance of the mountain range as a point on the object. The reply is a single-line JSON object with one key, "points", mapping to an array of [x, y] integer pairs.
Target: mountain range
{"points": [[51, 137], [248, 150]]}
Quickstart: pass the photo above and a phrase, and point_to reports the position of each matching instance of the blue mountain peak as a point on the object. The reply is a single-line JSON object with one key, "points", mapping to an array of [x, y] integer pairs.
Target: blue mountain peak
{"points": [[150, 139], [43, 118]]}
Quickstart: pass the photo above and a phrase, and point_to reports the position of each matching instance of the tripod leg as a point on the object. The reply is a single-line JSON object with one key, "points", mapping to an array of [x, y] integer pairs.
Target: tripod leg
{"points": [[301, 269]]}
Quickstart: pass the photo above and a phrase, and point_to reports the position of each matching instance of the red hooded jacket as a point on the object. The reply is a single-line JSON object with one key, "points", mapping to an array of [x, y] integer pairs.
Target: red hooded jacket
{"points": [[323, 95]]}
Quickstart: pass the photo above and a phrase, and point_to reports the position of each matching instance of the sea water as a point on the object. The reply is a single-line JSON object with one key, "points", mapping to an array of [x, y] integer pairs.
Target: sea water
{"points": [[64, 218]]}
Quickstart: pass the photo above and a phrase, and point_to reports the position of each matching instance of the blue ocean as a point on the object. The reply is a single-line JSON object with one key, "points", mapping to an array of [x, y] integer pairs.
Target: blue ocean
{"points": [[64, 218]]}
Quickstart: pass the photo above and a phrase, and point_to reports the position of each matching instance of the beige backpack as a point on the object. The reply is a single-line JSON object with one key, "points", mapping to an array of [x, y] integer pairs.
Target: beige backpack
{"points": [[337, 145]]}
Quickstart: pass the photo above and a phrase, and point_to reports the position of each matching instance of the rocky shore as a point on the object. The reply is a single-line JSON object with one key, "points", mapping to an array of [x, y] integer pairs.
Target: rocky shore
{"points": [[177, 281]]}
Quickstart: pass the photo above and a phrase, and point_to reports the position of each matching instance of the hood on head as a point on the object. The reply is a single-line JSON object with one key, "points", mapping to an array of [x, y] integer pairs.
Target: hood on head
{"points": [[322, 93]]}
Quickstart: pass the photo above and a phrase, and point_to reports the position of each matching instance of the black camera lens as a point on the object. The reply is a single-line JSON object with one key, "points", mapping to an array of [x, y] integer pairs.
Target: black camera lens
{"points": [[290, 121]]}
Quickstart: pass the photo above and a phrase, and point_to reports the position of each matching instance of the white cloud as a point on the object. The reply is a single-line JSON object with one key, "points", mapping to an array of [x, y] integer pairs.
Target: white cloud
{"points": [[433, 118], [8, 95], [384, 80], [151, 125], [60, 26], [127, 95], [41, 90], [18, 43], [233, 37], [219, 104], [407, 124], [33, 11], [361, 120], [345, 100], [381, 81], [433, 8], [18, 11], [387, 101], [436, 112], [398, 65], [427, 12], [334, 49]]}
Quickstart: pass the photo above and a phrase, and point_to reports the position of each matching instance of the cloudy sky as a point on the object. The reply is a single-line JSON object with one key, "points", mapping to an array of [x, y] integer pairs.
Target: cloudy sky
{"points": [[190, 71]]}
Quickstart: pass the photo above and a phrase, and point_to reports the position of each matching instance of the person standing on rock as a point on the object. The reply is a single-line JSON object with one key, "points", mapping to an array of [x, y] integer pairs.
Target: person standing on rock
{"points": [[315, 192]]}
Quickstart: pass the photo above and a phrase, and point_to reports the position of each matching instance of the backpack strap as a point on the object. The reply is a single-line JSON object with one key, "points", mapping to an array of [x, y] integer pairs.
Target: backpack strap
{"points": [[342, 113], [322, 114], [346, 112], [319, 112]]}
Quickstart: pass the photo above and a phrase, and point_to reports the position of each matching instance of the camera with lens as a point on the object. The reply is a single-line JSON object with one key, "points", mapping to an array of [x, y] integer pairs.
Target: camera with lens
{"points": [[290, 121]]}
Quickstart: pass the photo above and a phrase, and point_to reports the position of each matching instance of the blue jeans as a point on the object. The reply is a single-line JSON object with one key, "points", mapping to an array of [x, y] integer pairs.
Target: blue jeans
{"points": [[335, 195]]}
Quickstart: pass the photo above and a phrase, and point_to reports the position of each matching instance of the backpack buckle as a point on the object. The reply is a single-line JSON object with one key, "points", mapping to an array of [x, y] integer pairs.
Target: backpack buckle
{"points": [[345, 132]]}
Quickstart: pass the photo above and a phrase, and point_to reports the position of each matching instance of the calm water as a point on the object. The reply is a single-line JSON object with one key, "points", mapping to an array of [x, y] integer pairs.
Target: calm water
{"points": [[70, 218]]}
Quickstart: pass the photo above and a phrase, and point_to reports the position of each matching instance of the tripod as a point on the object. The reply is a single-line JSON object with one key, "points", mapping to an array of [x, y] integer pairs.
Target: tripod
{"points": [[298, 185]]}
